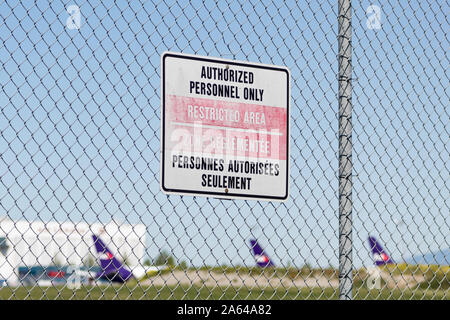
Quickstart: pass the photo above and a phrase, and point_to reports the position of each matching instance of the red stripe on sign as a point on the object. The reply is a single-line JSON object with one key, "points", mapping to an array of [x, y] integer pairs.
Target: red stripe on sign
{"points": [[187, 139], [226, 114]]}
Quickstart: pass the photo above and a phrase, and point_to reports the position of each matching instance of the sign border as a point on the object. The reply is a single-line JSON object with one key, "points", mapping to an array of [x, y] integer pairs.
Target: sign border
{"points": [[228, 196]]}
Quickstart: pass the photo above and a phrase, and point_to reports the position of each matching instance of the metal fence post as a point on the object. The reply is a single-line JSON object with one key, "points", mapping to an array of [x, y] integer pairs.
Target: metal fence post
{"points": [[345, 150], [80, 150]]}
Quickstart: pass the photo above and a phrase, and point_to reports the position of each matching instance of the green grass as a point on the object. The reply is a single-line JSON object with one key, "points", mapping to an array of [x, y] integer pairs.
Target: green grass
{"points": [[435, 286], [135, 291]]}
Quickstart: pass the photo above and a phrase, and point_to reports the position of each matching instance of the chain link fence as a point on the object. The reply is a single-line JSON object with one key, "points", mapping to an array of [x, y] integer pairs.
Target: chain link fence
{"points": [[80, 152]]}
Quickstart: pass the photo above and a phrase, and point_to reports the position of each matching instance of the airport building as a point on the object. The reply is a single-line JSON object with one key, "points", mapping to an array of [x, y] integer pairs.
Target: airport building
{"points": [[37, 243]]}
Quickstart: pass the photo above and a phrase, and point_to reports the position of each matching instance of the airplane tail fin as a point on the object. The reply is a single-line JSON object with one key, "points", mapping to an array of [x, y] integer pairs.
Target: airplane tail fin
{"points": [[380, 257], [112, 268], [262, 259]]}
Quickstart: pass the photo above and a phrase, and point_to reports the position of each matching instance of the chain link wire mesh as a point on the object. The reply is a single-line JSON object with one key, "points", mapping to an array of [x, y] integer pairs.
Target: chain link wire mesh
{"points": [[80, 142]]}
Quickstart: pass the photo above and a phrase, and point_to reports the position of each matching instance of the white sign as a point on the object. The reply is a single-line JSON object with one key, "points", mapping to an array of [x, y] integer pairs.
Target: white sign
{"points": [[225, 128]]}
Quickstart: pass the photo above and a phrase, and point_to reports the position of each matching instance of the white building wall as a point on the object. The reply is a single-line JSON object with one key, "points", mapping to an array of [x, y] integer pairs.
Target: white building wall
{"points": [[39, 243]]}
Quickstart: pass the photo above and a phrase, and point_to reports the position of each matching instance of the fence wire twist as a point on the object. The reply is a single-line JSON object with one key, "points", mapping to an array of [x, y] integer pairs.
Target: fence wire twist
{"points": [[80, 150]]}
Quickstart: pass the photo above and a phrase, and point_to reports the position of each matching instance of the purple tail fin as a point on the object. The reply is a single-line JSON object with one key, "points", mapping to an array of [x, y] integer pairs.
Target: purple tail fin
{"points": [[112, 269], [380, 257], [262, 259]]}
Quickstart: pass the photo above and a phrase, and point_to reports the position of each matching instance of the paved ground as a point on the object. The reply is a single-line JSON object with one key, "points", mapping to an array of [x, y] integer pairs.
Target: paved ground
{"points": [[215, 279]]}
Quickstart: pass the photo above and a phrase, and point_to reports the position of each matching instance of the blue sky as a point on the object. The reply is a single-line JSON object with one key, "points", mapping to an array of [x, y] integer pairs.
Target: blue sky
{"points": [[80, 123]]}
